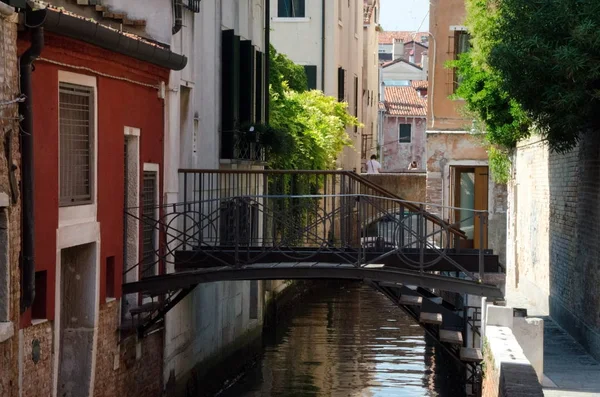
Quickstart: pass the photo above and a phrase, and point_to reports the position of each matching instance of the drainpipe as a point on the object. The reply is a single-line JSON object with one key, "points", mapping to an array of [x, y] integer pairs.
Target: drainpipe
{"points": [[177, 16], [323, 47], [268, 57], [27, 172]]}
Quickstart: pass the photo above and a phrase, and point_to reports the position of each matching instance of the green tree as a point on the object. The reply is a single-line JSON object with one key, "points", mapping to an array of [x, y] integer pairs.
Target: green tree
{"points": [[533, 63], [307, 128]]}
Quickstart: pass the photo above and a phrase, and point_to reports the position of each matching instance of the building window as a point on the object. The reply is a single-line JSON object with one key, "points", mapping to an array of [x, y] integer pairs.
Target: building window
{"points": [[149, 220], [404, 133], [76, 124], [462, 44], [291, 9], [341, 85], [311, 76]]}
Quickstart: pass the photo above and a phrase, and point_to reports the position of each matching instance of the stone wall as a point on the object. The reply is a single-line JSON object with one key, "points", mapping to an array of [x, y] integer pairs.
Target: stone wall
{"points": [[11, 247], [554, 229], [507, 372], [409, 185]]}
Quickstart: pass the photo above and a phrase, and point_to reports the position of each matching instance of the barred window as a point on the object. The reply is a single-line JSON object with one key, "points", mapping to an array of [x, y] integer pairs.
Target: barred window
{"points": [[149, 209], [76, 130]]}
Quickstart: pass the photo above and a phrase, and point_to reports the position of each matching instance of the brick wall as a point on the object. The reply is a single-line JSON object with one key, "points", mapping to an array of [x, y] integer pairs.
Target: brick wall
{"points": [[38, 360], [120, 369], [555, 221], [409, 186], [9, 90]]}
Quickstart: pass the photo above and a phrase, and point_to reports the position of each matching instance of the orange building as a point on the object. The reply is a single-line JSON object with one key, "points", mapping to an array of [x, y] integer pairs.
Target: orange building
{"points": [[457, 162]]}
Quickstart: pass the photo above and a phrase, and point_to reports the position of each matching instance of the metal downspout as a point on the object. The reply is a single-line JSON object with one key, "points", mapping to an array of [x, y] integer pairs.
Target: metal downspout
{"points": [[323, 47], [27, 171], [268, 57]]}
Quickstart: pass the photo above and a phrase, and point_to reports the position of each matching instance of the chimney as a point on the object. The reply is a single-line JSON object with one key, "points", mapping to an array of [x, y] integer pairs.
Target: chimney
{"points": [[398, 49]]}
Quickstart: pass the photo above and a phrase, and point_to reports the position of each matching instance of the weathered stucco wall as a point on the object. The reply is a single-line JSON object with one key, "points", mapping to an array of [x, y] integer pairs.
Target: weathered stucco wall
{"points": [[554, 226], [396, 155], [442, 15], [410, 185], [445, 150]]}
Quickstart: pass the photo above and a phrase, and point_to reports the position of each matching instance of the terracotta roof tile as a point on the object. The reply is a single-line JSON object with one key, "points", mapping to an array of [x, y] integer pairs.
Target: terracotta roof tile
{"points": [[406, 36], [405, 101]]}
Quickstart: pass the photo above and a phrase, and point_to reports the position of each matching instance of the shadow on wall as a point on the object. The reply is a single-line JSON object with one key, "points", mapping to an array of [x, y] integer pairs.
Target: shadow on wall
{"points": [[574, 232]]}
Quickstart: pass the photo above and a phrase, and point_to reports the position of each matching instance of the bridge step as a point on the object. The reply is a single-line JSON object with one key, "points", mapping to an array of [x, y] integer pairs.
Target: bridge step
{"points": [[411, 300], [471, 355], [454, 337], [145, 308], [431, 318]]}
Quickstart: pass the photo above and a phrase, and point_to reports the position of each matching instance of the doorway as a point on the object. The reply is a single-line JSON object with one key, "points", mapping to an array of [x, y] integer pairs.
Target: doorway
{"points": [[470, 193], [77, 317]]}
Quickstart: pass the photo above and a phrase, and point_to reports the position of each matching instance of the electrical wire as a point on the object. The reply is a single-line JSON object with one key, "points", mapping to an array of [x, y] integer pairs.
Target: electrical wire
{"points": [[156, 87]]}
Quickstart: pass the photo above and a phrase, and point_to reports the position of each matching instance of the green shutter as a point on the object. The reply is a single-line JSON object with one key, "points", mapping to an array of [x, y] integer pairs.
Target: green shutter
{"points": [[311, 76], [230, 89], [246, 82], [259, 90]]}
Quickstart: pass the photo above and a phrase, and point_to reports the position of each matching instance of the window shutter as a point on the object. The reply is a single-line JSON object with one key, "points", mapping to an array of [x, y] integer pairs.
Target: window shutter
{"points": [[311, 76]]}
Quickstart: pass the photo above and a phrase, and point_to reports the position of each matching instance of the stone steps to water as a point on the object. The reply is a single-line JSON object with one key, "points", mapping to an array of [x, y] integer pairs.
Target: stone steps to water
{"points": [[431, 318], [411, 300], [453, 337], [472, 355]]}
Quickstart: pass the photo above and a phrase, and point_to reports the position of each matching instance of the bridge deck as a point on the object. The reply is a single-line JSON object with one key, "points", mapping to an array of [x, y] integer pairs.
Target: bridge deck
{"points": [[407, 259], [308, 270]]}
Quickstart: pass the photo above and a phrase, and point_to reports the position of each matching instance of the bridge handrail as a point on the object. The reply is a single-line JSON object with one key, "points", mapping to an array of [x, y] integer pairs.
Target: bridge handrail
{"points": [[350, 174]]}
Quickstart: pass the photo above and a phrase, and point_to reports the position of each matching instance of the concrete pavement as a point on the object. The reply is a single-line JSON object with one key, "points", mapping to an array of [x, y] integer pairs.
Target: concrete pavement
{"points": [[569, 371]]}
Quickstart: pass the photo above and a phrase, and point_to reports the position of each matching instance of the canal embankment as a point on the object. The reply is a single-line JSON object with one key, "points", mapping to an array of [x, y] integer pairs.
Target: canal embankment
{"points": [[513, 351]]}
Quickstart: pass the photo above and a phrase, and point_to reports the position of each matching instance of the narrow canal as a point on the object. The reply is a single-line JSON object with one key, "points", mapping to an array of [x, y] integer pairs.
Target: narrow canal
{"points": [[348, 340]]}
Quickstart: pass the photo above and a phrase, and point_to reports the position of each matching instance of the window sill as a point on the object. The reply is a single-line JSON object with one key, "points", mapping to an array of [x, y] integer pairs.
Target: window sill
{"points": [[7, 330], [38, 321], [108, 300], [283, 19]]}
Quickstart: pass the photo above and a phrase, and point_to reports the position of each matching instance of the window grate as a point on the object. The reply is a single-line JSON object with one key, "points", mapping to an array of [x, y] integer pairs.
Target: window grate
{"points": [[149, 207], [192, 5], [76, 117]]}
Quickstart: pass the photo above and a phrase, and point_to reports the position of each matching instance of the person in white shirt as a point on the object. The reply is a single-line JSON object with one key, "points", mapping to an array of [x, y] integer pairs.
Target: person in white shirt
{"points": [[373, 165]]}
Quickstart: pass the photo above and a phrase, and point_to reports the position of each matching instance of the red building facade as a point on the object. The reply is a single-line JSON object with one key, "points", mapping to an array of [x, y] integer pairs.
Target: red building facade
{"points": [[98, 133]]}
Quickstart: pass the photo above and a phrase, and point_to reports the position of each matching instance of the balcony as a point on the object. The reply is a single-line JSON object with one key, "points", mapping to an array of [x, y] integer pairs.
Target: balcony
{"points": [[245, 145]]}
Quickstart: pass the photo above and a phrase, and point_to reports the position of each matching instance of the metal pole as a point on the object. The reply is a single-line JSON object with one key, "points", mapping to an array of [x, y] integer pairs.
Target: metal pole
{"points": [[481, 244], [420, 237]]}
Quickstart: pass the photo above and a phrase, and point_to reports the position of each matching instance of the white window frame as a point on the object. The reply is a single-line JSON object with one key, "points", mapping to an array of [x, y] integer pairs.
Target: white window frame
{"points": [[152, 167], [86, 212]]}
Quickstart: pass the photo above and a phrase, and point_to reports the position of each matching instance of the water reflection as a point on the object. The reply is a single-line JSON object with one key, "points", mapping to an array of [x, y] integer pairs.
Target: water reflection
{"points": [[350, 341]]}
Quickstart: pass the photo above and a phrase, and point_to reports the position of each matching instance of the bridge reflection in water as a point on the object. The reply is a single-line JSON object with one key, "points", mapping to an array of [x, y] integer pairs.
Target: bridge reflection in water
{"points": [[351, 341]]}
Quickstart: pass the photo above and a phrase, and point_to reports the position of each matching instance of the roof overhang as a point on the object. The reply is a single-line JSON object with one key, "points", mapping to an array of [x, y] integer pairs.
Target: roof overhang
{"points": [[92, 32]]}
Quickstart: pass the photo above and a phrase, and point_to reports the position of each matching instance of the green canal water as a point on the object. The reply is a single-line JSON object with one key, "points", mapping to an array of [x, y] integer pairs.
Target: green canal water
{"points": [[348, 340]]}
